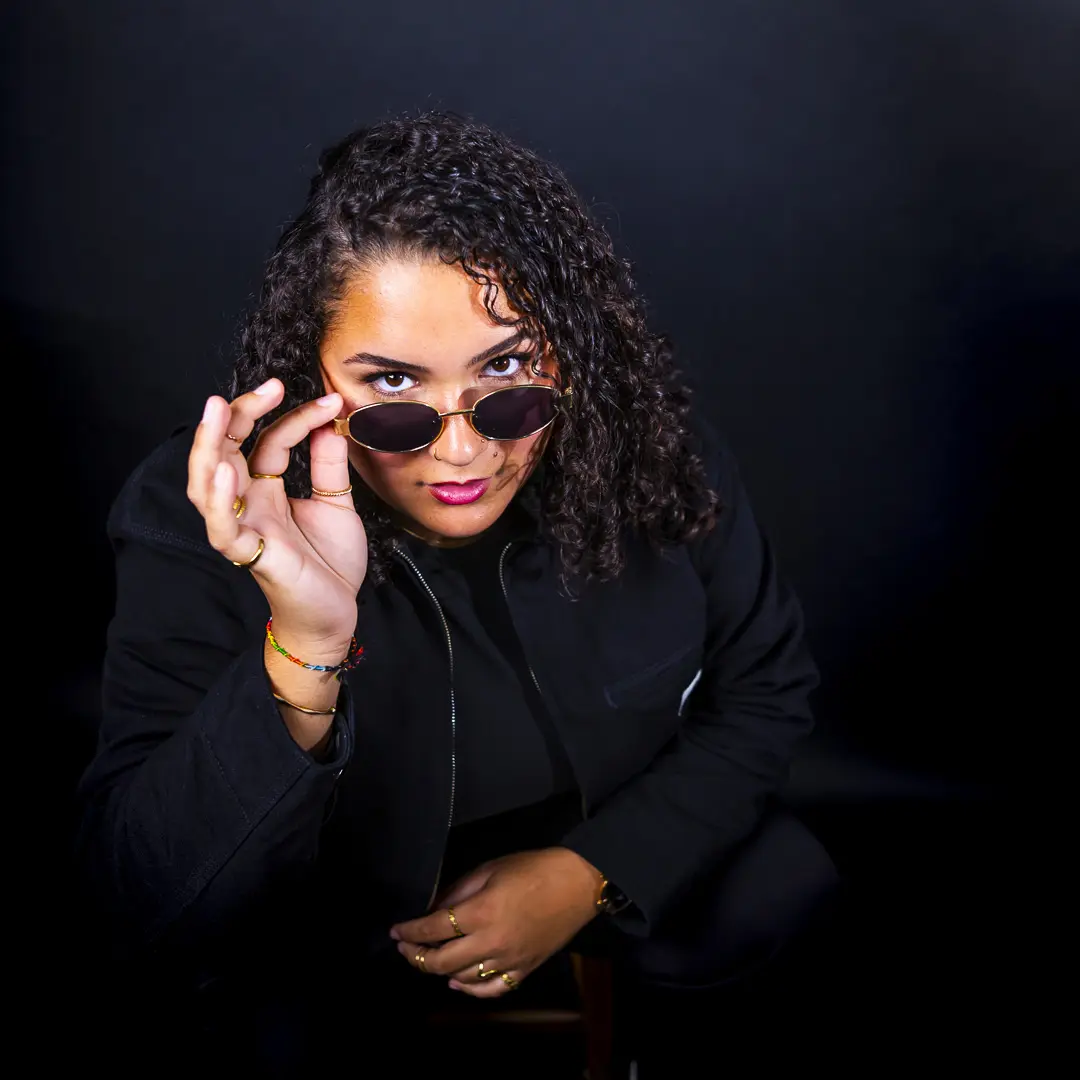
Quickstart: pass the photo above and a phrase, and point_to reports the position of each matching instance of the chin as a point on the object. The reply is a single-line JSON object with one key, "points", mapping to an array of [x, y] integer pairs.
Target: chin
{"points": [[461, 521]]}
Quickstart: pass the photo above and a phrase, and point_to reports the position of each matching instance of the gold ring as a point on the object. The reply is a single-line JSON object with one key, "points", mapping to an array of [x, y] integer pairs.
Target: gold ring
{"points": [[487, 974], [266, 475], [233, 438], [239, 506], [331, 494], [509, 980], [454, 923], [254, 558], [421, 961]]}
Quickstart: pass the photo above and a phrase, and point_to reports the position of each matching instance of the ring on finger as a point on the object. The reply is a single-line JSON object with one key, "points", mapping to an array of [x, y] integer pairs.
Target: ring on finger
{"points": [[486, 973], [421, 960], [266, 475], [239, 506], [331, 494], [254, 558], [510, 981], [233, 438], [458, 932]]}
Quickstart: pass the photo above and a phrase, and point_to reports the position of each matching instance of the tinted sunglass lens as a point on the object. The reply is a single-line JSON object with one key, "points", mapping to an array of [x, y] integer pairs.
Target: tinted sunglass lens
{"points": [[395, 426], [515, 413]]}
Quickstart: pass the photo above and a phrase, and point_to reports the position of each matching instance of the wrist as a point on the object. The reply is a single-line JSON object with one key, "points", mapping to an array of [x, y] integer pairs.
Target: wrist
{"points": [[589, 882], [323, 650]]}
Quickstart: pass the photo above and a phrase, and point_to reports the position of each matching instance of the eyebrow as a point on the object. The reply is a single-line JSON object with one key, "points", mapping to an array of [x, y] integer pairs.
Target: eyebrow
{"points": [[374, 360]]}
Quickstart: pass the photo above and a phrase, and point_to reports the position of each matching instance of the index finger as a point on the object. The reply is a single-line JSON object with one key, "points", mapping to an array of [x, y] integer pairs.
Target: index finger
{"points": [[430, 929]]}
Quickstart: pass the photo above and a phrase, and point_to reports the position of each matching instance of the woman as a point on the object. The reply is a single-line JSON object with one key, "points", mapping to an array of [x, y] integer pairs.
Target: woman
{"points": [[449, 639]]}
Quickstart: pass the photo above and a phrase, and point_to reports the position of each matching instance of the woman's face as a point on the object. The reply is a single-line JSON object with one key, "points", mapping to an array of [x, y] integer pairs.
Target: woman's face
{"points": [[418, 331]]}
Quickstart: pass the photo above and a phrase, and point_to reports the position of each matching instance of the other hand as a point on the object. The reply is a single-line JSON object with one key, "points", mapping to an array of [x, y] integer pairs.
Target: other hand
{"points": [[514, 912]]}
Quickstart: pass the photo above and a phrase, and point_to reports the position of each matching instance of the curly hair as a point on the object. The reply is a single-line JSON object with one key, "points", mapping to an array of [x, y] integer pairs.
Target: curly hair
{"points": [[440, 185]]}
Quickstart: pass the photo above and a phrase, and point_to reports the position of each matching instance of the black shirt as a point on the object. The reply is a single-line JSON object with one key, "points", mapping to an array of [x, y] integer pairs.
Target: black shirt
{"points": [[530, 797]]}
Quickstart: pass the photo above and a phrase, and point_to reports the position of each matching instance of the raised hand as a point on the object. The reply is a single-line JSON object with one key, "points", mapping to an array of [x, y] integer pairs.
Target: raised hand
{"points": [[314, 551]]}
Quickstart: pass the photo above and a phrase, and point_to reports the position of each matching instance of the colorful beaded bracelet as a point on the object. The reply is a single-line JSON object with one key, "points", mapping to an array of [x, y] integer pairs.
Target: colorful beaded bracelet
{"points": [[352, 658]]}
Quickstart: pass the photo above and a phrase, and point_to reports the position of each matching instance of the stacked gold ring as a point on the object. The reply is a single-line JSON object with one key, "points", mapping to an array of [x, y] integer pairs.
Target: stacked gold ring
{"points": [[454, 923]]}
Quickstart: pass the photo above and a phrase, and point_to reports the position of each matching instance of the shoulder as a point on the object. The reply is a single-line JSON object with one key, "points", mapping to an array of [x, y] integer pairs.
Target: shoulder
{"points": [[712, 448], [153, 504], [733, 539]]}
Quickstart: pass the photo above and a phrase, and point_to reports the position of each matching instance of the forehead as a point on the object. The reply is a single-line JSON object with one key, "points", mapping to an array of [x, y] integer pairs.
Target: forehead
{"points": [[417, 311]]}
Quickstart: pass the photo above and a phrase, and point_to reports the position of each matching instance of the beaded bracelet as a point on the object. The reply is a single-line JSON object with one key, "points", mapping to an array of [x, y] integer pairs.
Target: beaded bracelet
{"points": [[352, 658]]}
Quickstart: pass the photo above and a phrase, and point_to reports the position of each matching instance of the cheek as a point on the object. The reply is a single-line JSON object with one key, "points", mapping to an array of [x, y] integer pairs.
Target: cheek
{"points": [[385, 473]]}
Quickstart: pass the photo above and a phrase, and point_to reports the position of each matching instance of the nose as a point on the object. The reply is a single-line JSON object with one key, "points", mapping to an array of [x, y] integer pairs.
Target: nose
{"points": [[458, 444]]}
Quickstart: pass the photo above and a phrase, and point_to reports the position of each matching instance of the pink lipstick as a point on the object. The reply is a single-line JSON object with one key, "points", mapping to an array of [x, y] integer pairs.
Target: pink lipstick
{"points": [[459, 494]]}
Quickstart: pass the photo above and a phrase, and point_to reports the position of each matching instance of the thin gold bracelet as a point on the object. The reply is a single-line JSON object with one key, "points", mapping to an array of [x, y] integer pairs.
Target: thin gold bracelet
{"points": [[300, 708]]}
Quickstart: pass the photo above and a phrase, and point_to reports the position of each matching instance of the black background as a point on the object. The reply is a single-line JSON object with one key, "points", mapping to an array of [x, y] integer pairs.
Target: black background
{"points": [[859, 222]]}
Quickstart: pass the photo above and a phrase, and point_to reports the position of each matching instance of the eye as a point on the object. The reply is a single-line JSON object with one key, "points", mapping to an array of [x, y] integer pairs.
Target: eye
{"points": [[394, 382], [507, 366]]}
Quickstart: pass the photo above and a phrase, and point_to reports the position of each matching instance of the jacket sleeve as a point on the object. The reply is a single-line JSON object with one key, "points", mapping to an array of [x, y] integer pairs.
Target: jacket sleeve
{"points": [[706, 791], [198, 802]]}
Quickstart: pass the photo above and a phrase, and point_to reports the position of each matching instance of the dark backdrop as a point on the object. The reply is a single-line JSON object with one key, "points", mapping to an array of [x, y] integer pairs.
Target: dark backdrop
{"points": [[859, 222]]}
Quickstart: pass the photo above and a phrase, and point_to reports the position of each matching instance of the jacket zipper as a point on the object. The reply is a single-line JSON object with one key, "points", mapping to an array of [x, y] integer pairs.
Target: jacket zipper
{"points": [[506, 598], [453, 720]]}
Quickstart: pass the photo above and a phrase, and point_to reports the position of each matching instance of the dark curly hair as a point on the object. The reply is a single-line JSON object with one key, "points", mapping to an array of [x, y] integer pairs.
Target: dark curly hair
{"points": [[622, 457]]}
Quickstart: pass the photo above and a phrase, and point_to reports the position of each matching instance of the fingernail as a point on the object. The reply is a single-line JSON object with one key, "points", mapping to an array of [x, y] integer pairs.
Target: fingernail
{"points": [[328, 400], [454, 985], [206, 409], [394, 934], [267, 387]]}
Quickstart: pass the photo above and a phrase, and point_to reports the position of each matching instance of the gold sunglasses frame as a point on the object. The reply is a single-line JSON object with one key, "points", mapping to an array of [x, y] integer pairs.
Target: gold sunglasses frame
{"points": [[341, 424]]}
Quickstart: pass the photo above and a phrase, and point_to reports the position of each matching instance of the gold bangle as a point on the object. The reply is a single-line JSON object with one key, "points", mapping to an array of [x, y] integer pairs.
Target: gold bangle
{"points": [[300, 708]]}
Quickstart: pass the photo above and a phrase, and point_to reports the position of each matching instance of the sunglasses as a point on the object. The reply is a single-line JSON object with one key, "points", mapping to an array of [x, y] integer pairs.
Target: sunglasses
{"points": [[397, 427]]}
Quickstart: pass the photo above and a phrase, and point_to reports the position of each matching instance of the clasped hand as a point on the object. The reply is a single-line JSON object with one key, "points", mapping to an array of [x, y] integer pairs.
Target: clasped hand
{"points": [[514, 913]]}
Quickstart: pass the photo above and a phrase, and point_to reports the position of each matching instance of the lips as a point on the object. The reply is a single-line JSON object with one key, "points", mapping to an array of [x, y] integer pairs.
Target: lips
{"points": [[459, 494]]}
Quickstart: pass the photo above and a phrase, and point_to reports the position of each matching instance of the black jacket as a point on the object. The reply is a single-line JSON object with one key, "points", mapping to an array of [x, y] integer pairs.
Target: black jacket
{"points": [[200, 813]]}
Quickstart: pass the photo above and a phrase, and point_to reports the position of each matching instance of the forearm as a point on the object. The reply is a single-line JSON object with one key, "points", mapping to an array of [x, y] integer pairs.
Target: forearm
{"points": [[692, 806], [161, 826]]}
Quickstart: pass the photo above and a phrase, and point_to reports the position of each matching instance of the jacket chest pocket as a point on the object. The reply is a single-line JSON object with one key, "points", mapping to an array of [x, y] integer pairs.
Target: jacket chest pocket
{"points": [[662, 683]]}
